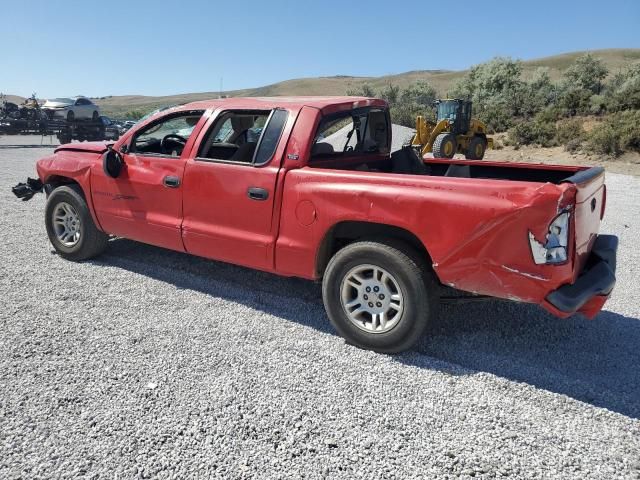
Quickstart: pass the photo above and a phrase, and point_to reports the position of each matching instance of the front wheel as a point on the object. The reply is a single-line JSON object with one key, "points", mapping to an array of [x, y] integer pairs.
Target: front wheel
{"points": [[70, 226], [445, 146], [379, 296]]}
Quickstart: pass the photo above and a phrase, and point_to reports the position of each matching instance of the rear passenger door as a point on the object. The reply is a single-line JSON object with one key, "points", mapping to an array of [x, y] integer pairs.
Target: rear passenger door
{"points": [[230, 187]]}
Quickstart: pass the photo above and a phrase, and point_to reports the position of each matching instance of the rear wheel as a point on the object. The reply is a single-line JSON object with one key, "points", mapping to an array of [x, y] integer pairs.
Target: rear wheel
{"points": [[476, 149], [379, 296], [71, 116], [445, 146], [70, 226], [95, 116]]}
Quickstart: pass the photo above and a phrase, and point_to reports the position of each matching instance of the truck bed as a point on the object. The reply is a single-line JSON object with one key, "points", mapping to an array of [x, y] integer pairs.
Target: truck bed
{"points": [[401, 163]]}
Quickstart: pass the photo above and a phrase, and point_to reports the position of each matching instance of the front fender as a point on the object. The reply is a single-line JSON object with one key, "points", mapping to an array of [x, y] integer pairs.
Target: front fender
{"points": [[70, 167]]}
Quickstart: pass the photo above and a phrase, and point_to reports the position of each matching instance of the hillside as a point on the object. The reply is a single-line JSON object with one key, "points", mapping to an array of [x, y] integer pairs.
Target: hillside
{"points": [[116, 106]]}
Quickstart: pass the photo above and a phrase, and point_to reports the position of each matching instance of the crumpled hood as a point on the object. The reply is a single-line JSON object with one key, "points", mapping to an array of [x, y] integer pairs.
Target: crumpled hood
{"points": [[97, 147]]}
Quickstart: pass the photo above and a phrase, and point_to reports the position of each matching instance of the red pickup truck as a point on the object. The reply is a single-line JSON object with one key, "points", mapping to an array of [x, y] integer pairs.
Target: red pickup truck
{"points": [[309, 187]]}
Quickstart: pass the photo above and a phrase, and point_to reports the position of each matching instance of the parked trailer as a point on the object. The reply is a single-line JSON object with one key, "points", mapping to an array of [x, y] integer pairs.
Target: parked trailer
{"points": [[67, 131]]}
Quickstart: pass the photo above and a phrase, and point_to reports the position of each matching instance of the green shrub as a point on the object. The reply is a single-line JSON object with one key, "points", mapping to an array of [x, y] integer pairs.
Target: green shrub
{"points": [[405, 114], [495, 115], [569, 130], [629, 126], [550, 114], [134, 114], [620, 132], [604, 140], [533, 133], [573, 145]]}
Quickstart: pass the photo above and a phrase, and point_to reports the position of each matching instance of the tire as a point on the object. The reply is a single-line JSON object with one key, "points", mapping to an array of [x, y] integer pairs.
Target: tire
{"points": [[90, 241], [414, 282], [71, 116], [64, 138], [95, 117], [445, 146], [475, 150]]}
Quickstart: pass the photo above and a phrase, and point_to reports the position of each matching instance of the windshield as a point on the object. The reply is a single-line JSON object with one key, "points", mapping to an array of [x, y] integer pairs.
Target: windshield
{"points": [[61, 100], [447, 110], [161, 109]]}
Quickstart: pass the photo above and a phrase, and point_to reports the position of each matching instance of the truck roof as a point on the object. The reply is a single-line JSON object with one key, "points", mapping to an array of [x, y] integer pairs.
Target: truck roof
{"points": [[291, 103]]}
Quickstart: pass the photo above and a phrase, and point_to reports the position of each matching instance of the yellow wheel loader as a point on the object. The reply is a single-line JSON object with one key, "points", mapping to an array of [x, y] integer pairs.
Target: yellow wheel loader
{"points": [[454, 132]]}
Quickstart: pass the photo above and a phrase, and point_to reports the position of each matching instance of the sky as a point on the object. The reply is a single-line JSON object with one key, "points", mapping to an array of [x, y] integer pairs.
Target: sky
{"points": [[114, 47]]}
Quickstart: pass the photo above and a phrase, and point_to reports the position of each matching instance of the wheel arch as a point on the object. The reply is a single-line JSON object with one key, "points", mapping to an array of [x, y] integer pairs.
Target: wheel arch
{"points": [[346, 232], [54, 181]]}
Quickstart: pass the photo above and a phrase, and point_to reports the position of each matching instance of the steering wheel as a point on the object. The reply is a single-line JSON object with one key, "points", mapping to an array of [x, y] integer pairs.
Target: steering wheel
{"points": [[175, 139]]}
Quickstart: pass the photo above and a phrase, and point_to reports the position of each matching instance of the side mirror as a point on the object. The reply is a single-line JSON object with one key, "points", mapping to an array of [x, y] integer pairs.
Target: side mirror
{"points": [[112, 163]]}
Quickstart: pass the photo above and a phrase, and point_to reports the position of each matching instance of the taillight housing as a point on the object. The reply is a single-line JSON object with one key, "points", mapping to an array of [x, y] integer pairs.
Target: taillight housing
{"points": [[555, 250]]}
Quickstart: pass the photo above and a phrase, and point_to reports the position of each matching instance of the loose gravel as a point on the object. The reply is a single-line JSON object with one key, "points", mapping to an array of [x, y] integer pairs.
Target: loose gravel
{"points": [[151, 364]]}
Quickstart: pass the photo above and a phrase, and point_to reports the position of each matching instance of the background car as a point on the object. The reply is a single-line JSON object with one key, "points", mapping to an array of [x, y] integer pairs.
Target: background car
{"points": [[70, 109], [111, 130]]}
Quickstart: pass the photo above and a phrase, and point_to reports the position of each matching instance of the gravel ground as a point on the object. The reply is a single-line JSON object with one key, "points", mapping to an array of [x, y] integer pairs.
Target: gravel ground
{"points": [[151, 364]]}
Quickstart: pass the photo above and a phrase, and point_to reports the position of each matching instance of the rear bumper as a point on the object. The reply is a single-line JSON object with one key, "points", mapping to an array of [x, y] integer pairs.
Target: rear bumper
{"points": [[594, 285]]}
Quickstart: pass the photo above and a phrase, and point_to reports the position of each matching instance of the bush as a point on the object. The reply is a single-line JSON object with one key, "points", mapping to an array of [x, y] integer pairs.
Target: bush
{"points": [[550, 115], [569, 130], [587, 72], [575, 100], [533, 133], [495, 115], [620, 132], [405, 114], [573, 145], [629, 127], [364, 90], [604, 140], [134, 114]]}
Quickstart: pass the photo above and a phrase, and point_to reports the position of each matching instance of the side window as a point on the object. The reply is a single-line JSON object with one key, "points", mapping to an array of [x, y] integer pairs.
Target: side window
{"points": [[235, 136], [354, 132], [167, 136], [270, 137]]}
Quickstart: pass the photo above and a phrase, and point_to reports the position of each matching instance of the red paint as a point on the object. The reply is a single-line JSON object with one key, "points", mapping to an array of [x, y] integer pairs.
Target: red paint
{"points": [[475, 230]]}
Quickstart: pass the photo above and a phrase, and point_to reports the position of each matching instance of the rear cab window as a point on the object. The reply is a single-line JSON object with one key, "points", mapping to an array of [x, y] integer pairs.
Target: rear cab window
{"points": [[355, 133]]}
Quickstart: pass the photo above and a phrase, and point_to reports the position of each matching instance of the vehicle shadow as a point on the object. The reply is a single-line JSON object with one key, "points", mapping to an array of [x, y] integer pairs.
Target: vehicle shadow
{"points": [[596, 362]]}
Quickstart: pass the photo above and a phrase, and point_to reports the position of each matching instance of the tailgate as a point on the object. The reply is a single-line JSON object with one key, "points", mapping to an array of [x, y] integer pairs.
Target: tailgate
{"points": [[589, 209]]}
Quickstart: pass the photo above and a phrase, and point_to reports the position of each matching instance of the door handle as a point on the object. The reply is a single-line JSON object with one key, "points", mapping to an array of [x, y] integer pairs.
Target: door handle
{"points": [[257, 193], [171, 181]]}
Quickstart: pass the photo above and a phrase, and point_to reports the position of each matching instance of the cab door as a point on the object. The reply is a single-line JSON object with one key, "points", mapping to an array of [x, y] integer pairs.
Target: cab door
{"points": [[230, 187], [145, 202]]}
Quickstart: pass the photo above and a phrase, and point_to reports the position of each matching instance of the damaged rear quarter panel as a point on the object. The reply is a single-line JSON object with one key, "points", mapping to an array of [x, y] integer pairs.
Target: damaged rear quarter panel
{"points": [[476, 231]]}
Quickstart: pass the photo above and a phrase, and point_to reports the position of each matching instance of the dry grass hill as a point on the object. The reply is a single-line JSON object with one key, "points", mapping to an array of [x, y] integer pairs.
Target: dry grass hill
{"points": [[116, 106]]}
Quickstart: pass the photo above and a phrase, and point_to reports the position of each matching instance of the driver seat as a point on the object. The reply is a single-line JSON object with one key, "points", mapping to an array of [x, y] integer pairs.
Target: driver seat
{"points": [[244, 153]]}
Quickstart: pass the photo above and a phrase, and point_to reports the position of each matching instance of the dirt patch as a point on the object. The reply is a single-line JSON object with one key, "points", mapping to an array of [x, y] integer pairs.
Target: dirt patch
{"points": [[628, 163]]}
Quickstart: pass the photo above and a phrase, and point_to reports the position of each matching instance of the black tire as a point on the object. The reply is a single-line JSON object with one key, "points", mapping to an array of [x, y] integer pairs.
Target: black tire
{"points": [[91, 242], [64, 138], [416, 282], [71, 116], [475, 150], [95, 117], [445, 146]]}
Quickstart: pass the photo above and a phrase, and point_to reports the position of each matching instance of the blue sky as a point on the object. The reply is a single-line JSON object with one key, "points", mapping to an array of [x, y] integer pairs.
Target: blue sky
{"points": [[114, 47]]}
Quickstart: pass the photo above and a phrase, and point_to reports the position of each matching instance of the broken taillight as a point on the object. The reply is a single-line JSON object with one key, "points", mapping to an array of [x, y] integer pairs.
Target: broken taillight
{"points": [[555, 248]]}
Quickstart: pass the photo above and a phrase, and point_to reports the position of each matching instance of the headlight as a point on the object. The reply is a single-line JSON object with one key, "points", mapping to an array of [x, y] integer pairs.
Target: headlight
{"points": [[556, 243]]}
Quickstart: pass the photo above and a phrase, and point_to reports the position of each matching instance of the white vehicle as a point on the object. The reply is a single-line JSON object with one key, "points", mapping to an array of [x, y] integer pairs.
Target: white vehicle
{"points": [[70, 109]]}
